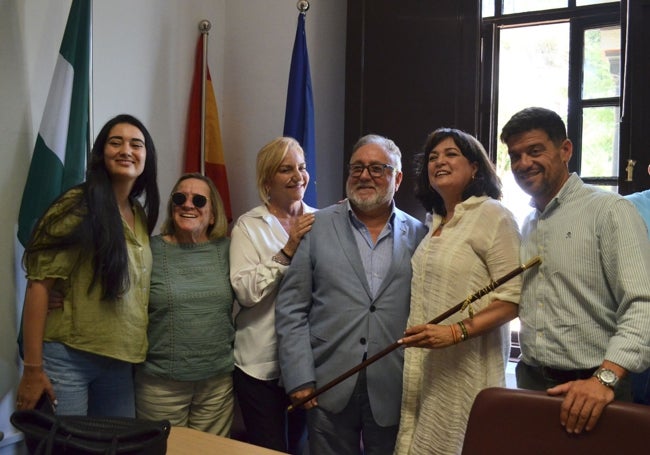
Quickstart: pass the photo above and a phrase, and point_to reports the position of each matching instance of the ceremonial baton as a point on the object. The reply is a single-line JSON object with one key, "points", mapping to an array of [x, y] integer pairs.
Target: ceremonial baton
{"points": [[441, 317]]}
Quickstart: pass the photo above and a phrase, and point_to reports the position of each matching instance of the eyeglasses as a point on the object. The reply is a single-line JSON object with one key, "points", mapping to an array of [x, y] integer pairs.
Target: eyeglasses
{"points": [[198, 200], [375, 170]]}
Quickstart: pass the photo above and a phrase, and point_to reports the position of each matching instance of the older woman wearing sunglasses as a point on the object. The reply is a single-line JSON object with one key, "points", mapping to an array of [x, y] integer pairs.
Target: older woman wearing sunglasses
{"points": [[187, 376]]}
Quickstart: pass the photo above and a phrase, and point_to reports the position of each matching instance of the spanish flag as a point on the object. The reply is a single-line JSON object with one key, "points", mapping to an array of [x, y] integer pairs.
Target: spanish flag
{"points": [[215, 165]]}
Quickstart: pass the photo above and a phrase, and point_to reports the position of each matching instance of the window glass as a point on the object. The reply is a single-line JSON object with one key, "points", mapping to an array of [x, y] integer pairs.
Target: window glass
{"points": [[602, 62], [593, 2], [487, 8], [533, 71], [600, 139], [522, 6]]}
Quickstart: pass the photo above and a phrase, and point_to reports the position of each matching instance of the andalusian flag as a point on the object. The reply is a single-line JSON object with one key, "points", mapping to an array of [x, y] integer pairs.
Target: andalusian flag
{"points": [[59, 159], [299, 113], [215, 165]]}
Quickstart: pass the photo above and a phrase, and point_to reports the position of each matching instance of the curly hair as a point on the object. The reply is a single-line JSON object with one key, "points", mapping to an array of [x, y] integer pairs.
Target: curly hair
{"points": [[485, 182]]}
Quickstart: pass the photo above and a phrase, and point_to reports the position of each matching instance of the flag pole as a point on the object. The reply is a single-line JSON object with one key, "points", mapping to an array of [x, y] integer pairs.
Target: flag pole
{"points": [[204, 28], [91, 126]]}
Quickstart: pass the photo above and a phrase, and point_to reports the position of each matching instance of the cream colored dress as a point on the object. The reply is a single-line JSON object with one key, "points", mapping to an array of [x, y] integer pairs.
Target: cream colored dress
{"points": [[479, 244]]}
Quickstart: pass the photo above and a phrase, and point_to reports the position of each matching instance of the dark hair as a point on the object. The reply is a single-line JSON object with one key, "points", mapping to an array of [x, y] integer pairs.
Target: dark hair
{"points": [[485, 182], [535, 118], [99, 232], [215, 231], [146, 183]]}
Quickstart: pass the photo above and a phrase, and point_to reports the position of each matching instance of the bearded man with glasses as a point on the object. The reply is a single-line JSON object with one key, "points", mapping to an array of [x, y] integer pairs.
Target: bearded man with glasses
{"points": [[345, 297]]}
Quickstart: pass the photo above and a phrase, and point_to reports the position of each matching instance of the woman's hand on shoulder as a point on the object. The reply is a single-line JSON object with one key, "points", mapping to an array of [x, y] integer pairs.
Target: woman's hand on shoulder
{"points": [[300, 227]]}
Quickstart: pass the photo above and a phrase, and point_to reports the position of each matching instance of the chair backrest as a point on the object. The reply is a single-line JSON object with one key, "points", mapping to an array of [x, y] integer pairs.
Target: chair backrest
{"points": [[514, 421]]}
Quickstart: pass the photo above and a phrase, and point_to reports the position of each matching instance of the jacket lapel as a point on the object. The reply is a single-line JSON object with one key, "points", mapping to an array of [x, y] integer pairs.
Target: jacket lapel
{"points": [[400, 251], [343, 230]]}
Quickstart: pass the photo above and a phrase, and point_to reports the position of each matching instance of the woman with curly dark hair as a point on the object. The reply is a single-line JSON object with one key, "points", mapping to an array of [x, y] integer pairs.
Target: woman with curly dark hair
{"points": [[92, 247], [472, 240]]}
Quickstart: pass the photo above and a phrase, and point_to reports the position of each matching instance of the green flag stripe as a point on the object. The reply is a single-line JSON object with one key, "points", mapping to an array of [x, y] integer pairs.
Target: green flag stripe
{"points": [[42, 187], [64, 127], [76, 37], [75, 48], [46, 170]]}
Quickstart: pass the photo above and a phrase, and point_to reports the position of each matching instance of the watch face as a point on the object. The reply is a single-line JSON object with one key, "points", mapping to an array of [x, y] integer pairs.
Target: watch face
{"points": [[607, 376]]}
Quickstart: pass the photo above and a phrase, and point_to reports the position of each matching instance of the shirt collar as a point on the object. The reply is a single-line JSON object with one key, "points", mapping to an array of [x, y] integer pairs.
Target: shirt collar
{"points": [[568, 189], [357, 223]]}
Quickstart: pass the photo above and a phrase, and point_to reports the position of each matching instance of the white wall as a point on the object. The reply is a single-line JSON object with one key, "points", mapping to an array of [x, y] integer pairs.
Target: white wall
{"points": [[143, 60]]}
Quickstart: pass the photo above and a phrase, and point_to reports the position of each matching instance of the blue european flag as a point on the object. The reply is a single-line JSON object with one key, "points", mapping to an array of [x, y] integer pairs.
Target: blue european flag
{"points": [[299, 113]]}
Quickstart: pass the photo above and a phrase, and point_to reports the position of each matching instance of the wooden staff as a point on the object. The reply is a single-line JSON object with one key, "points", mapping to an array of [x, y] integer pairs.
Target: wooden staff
{"points": [[461, 306]]}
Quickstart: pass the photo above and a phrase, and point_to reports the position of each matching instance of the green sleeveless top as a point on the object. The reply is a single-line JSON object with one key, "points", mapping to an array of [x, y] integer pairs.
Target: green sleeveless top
{"points": [[190, 330]]}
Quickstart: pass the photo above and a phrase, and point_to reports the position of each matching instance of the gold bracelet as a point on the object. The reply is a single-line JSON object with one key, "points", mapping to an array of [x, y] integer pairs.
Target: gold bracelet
{"points": [[464, 335], [33, 365]]}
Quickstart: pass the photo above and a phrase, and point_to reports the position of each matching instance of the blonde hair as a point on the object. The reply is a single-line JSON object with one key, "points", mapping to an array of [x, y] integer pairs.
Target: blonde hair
{"points": [[269, 159]]}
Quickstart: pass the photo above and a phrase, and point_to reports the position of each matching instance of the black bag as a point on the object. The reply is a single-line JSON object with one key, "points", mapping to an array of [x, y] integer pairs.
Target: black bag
{"points": [[50, 434]]}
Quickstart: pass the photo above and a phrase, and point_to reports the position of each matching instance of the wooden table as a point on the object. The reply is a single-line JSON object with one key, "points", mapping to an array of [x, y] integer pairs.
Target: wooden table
{"points": [[188, 441]]}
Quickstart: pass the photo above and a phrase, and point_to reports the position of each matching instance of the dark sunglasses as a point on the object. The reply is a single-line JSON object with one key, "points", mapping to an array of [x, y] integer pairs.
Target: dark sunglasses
{"points": [[198, 200]]}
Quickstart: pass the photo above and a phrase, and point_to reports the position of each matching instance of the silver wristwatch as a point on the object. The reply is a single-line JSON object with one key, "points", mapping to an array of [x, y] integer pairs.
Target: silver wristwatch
{"points": [[606, 377]]}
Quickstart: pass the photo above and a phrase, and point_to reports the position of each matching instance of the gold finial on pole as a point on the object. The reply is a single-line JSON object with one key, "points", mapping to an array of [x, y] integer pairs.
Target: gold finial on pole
{"points": [[303, 6], [205, 26]]}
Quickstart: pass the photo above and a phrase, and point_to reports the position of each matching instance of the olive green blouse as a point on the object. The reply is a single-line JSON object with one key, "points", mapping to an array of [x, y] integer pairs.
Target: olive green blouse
{"points": [[116, 329]]}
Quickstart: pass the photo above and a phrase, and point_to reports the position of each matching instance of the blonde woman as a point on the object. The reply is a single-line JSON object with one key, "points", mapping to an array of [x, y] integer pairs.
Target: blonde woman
{"points": [[263, 241]]}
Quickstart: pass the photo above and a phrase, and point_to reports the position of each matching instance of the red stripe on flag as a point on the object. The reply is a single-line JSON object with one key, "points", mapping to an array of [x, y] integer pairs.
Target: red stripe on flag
{"points": [[215, 167]]}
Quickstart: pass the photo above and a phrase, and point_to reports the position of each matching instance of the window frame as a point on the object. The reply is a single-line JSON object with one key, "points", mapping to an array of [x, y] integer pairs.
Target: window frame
{"points": [[580, 18]]}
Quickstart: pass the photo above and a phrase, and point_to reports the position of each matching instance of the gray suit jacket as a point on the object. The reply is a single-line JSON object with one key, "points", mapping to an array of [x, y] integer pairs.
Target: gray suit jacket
{"points": [[325, 314]]}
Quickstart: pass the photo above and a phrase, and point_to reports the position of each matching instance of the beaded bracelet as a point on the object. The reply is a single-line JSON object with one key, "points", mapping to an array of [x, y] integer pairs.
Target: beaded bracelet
{"points": [[464, 335]]}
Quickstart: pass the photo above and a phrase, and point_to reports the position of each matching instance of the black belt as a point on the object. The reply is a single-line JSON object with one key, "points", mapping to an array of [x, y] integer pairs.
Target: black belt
{"points": [[562, 376]]}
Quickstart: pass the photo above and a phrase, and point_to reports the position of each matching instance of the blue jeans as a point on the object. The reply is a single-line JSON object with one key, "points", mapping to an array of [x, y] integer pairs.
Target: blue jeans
{"points": [[89, 384]]}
